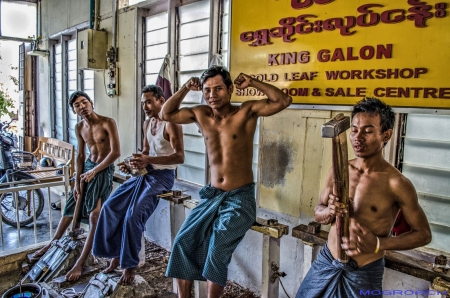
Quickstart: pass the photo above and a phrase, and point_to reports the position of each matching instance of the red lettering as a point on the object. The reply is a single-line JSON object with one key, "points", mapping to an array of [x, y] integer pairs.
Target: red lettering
{"points": [[385, 51], [420, 13], [430, 92], [368, 18], [356, 74], [403, 92], [370, 52], [380, 73], [391, 92], [379, 92], [299, 4], [386, 16], [419, 71], [344, 75], [339, 92], [367, 73], [323, 56], [406, 73], [304, 26], [440, 10], [416, 91], [247, 36], [273, 59], [329, 91], [338, 55], [290, 58], [303, 57], [350, 54], [392, 73], [332, 75], [262, 38], [361, 91], [444, 93]]}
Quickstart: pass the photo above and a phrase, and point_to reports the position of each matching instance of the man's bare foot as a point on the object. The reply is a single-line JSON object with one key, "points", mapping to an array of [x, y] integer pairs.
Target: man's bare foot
{"points": [[42, 251], [75, 273], [112, 265], [127, 276]]}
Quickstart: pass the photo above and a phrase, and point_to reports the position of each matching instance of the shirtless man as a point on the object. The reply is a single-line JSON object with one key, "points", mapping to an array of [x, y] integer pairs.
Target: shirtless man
{"points": [[124, 215], [377, 192], [206, 241], [99, 133]]}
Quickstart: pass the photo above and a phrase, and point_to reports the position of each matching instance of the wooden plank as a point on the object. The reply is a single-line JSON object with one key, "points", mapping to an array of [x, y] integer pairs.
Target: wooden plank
{"points": [[301, 232], [120, 178]]}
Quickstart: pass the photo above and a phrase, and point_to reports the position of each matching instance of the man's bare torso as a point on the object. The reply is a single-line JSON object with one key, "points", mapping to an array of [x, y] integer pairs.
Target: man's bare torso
{"points": [[372, 205], [229, 144], [97, 138]]}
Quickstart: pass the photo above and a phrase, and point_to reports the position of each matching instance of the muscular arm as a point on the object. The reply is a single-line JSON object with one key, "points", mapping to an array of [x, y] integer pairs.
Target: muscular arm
{"points": [[174, 133], [420, 233], [276, 99], [81, 156], [171, 111], [329, 205], [114, 144], [146, 149]]}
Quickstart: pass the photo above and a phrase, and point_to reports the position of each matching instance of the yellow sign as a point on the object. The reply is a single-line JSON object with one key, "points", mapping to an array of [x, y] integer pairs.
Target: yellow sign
{"points": [[338, 51]]}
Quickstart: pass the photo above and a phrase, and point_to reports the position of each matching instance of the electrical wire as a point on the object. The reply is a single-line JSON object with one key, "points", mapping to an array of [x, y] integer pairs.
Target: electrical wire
{"points": [[104, 82], [281, 283]]}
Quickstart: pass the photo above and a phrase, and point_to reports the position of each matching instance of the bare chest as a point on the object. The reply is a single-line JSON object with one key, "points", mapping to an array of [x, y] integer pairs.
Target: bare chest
{"points": [[371, 196], [94, 135], [228, 131]]}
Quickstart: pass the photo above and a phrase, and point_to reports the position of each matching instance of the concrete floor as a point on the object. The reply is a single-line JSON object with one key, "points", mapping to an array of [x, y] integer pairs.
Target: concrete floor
{"points": [[10, 235]]}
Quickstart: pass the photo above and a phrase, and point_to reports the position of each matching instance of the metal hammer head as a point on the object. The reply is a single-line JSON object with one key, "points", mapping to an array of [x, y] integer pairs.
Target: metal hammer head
{"points": [[74, 234], [335, 126]]}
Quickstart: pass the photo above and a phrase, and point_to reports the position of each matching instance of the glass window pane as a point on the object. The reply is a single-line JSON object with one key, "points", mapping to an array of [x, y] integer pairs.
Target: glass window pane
{"points": [[192, 63], [156, 37], [72, 75], [88, 74], [194, 46], [195, 11], [153, 66], [88, 84], [157, 21], [151, 79], [72, 45], [194, 29], [426, 162], [156, 51], [18, 19], [72, 65], [72, 55]]}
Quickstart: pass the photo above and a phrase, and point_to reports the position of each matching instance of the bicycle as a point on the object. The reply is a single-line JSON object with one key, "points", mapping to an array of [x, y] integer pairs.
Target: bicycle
{"points": [[13, 167]]}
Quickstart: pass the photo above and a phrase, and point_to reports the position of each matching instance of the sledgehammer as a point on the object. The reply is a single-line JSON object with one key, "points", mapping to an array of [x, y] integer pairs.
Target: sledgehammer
{"points": [[335, 129]]}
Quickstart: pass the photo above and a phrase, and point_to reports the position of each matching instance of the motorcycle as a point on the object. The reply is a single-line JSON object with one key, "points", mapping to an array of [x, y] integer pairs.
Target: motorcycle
{"points": [[13, 164]]}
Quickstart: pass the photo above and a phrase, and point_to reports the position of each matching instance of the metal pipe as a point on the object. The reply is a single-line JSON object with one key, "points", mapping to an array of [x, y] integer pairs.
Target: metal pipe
{"points": [[91, 13], [97, 15], [114, 24]]}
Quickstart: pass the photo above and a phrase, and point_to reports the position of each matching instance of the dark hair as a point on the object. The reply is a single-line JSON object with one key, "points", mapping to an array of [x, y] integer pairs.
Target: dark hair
{"points": [[156, 90], [373, 106], [214, 71], [74, 96]]}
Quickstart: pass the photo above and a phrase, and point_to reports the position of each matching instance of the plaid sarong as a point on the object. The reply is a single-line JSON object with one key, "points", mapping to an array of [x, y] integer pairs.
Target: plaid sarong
{"points": [[98, 188], [204, 245], [332, 279]]}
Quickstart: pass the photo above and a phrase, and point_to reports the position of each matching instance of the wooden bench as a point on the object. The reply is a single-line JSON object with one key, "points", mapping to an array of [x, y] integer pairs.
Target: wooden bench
{"points": [[59, 152]]}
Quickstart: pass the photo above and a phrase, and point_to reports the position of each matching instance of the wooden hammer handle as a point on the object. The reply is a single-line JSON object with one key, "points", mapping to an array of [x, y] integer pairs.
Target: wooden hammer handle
{"points": [[340, 189], [78, 207]]}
